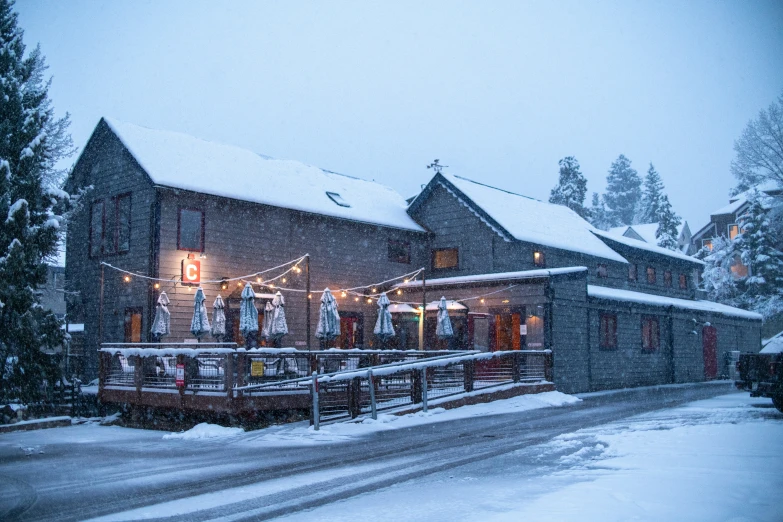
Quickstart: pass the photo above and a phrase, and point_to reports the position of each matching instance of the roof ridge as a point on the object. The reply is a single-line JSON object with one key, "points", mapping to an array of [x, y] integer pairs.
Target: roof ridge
{"points": [[496, 188]]}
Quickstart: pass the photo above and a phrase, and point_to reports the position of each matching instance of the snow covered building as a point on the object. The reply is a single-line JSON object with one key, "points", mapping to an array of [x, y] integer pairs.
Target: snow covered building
{"points": [[521, 273], [646, 232]]}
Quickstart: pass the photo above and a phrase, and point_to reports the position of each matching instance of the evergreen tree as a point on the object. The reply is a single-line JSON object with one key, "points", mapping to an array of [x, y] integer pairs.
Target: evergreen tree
{"points": [[623, 192], [652, 192], [599, 216], [668, 224], [571, 188], [717, 279], [763, 287], [32, 141]]}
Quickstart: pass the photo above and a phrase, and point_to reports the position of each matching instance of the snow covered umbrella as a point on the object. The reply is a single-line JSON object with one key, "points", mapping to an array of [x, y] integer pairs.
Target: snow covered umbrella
{"points": [[218, 319], [383, 326], [269, 312], [248, 313], [161, 325], [443, 329], [328, 318], [279, 328], [200, 323]]}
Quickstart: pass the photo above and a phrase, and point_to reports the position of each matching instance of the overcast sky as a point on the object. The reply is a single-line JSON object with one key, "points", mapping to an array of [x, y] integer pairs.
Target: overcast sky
{"points": [[499, 91]]}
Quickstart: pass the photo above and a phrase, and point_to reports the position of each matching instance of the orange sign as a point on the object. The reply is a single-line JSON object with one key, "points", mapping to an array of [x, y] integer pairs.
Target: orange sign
{"points": [[191, 271]]}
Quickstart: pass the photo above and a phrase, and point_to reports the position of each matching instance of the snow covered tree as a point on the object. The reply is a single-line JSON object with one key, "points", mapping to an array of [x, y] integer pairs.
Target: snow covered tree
{"points": [[668, 225], [759, 151], [763, 286], [571, 188], [717, 279], [599, 216], [652, 192], [623, 192], [32, 141]]}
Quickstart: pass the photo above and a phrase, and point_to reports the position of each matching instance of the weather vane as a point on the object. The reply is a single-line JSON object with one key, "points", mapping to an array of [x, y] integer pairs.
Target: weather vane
{"points": [[436, 166]]}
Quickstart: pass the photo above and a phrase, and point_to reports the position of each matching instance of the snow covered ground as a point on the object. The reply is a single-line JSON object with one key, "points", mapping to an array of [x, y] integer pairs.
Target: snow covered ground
{"points": [[715, 459]]}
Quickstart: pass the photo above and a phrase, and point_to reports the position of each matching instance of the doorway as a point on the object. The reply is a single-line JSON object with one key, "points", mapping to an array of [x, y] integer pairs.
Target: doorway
{"points": [[351, 331], [709, 339]]}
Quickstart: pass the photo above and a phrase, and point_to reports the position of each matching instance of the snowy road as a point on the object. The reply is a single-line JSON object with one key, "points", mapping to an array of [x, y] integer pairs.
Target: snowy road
{"points": [[85, 472]]}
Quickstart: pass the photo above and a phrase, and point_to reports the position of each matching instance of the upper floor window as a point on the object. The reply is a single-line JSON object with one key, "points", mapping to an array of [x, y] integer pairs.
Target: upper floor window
{"points": [[683, 282], [445, 258], [651, 334], [733, 230], [602, 271], [706, 243], [399, 251], [632, 272], [190, 230], [110, 226], [667, 278], [608, 330], [538, 258], [651, 277], [738, 268]]}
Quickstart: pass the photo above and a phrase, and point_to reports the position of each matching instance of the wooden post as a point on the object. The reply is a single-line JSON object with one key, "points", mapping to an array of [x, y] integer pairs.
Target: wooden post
{"points": [[415, 387], [371, 383], [423, 311], [100, 311], [104, 365], [549, 367], [307, 293], [469, 374], [228, 374], [138, 375], [516, 364], [316, 416]]}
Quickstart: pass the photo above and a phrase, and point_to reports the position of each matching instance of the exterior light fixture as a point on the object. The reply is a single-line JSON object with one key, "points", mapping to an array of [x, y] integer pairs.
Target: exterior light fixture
{"points": [[202, 255], [126, 279], [505, 301], [156, 285], [309, 296]]}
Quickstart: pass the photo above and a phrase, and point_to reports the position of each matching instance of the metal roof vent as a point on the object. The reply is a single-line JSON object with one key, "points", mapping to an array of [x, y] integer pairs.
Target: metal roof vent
{"points": [[337, 198]]}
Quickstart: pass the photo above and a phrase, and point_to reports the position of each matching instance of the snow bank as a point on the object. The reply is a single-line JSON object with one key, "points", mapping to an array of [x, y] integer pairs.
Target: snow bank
{"points": [[206, 431]]}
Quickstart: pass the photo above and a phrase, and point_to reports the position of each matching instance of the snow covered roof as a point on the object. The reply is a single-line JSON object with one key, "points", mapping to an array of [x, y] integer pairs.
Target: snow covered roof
{"points": [[737, 201], [645, 231], [177, 160], [528, 219], [635, 243], [773, 345], [614, 294], [501, 276], [450, 305]]}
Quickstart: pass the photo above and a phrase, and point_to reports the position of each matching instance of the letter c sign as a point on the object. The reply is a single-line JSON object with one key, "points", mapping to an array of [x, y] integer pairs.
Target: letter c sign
{"points": [[191, 271]]}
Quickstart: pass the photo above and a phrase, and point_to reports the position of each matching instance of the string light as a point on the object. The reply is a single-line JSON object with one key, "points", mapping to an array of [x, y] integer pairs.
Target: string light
{"points": [[374, 290], [126, 279], [399, 292], [284, 280], [258, 280], [355, 298], [482, 299], [157, 286], [343, 294], [369, 301]]}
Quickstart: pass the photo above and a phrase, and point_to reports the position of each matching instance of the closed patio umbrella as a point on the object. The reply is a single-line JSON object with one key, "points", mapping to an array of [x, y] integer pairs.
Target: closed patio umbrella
{"points": [[161, 324], [218, 319], [443, 329], [328, 318], [383, 326], [199, 326], [279, 328], [269, 312], [248, 313]]}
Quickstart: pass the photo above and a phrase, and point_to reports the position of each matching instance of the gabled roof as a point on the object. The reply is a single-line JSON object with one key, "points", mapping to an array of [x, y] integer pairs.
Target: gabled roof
{"points": [[642, 245], [644, 232], [176, 160], [520, 217]]}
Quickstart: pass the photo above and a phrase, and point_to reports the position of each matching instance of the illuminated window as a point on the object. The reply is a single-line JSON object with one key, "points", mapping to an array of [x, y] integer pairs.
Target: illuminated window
{"points": [[538, 258], [738, 268], [445, 258], [733, 230], [651, 276], [608, 331], [190, 228], [651, 334], [133, 325], [706, 243], [667, 279]]}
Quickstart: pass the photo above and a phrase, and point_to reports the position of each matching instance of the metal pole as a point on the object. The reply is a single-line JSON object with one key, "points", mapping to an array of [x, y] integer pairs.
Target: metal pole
{"points": [[423, 309], [424, 390], [316, 413], [371, 382], [307, 272]]}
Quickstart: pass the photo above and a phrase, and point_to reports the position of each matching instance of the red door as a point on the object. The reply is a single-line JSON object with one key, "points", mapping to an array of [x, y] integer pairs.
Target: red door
{"points": [[709, 336]]}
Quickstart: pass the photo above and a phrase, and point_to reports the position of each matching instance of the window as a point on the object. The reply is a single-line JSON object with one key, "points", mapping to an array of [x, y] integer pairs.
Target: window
{"points": [[445, 258], [608, 331], [133, 325], [399, 251], [602, 271], [651, 277], [190, 230], [667, 279], [733, 230], [683, 282], [337, 198], [706, 243], [96, 228], [632, 272], [123, 209], [738, 268], [651, 334], [538, 258]]}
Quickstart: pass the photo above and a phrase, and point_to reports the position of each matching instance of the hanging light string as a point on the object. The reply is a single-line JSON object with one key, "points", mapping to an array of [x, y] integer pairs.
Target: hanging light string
{"points": [[344, 292], [482, 296], [218, 281]]}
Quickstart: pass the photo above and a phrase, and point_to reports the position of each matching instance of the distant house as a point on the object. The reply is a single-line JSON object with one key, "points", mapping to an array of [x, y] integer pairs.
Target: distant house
{"points": [[519, 273], [646, 232]]}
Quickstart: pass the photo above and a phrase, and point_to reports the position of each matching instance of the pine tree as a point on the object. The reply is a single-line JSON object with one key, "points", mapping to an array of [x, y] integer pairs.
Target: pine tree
{"points": [[652, 192], [599, 216], [623, 192], [763, 287], [717, 279], [571, 188], [32, 141], [668, 224]]}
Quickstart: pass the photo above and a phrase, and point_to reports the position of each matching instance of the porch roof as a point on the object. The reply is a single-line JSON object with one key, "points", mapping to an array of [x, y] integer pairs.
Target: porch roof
{"points": [[501, 276]]}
